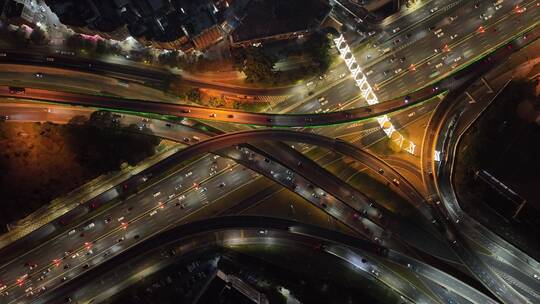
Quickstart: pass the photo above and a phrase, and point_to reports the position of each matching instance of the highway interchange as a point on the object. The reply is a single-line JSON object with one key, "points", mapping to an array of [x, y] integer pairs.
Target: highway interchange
{"points": [[212, 177]]}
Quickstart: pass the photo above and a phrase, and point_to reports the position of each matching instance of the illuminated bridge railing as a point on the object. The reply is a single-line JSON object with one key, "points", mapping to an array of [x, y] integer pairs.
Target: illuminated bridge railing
{"points": [[369, 95]]}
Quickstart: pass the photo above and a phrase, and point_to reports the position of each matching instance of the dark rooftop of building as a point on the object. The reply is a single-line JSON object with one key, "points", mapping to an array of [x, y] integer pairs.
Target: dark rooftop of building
{"points": [[265, 18]]}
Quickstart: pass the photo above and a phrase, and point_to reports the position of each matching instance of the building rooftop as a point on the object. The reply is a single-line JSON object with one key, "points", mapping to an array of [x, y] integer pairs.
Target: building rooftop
{"points": [[266, 18]]}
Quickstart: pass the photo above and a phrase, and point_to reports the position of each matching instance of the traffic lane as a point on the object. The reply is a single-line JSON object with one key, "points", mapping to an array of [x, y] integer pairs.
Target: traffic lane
{"points": [[339, 212], [197, 199], [454, 21], [461, 49], [362, 206], [53, 78], [191, 174], [432, 41], [221, 115], [232, 238], [149, 75], [497, 285]]}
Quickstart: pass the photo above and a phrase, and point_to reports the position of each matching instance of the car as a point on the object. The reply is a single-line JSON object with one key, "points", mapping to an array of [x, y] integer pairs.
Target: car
{"points": [[477, 5], [452, 18], [397, 29], [89, 226], [433, 10], [385, 73], [168, 125], [156, 194], [396, 41], [439, 65], [3, 54], [369, 72], [230, 116], [381, 171], [439, 35], [50, 59], [397, 71], [372, 33], [342, 75], [395, 181], [17, 90], [458, 59], [402, 59], [407, 99], [453, 36], [154, 212], [436, 50], [38, 75], [121, 239], [221, 185], [108, 219], [185, 111]]}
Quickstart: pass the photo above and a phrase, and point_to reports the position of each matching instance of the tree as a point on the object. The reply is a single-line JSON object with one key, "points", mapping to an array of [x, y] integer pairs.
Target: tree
{"points": [[102, 144], [78, 42], [194, 95], [258, 66], [318, 47], [38, 36], [104, 47], [171, 59]]}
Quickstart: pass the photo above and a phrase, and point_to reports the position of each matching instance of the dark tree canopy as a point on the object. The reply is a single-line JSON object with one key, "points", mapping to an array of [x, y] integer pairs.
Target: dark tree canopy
{"points": [[102, 144]]}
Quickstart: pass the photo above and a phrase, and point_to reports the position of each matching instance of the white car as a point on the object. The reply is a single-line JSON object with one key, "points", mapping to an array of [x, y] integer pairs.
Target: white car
{"points": [[453, 36], [397, 29], [433, 10], [156, 194]]}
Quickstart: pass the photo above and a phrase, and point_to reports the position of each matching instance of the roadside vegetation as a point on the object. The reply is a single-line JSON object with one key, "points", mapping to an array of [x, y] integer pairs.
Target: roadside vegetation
{"points": [[311, 58]]}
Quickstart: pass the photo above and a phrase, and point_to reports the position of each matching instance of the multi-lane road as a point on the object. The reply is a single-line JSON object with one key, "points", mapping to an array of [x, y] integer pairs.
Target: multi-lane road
{"points": [[214, 178]]}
